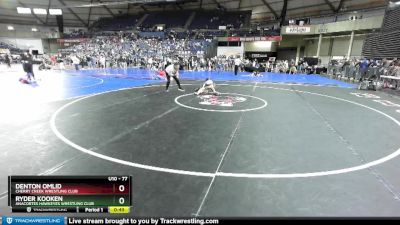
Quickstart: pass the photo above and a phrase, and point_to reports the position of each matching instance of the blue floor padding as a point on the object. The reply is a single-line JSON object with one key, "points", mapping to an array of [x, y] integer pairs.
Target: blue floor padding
{"points": [[135, 73], [58, 85], [115, 79], [267, 77], [109, 84]]}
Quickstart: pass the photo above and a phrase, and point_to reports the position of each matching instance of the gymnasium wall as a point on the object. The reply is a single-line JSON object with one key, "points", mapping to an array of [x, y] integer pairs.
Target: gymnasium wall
{"points": [[44, 40], [24, 43], [230, 51], [50, 46], [334, 47], [25, 31], [260, 46]]}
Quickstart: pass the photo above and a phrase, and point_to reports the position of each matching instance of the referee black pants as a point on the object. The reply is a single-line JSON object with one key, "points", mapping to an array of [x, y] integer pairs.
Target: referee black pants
{"points": [[236, 70], [28, 68], [169, 81]]}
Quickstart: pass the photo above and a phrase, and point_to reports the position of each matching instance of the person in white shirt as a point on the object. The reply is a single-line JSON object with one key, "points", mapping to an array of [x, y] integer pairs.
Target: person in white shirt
{"points": [[238, 62], [173, 71], [75, 61], [286, 65], [102, 62], [150, 63], [267, 65], [207, 88]]}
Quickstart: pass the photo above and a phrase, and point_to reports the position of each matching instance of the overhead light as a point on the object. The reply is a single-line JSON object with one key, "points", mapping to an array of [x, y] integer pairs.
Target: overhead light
{"points": [[34, 29], [10, 27], [55, 11], [22, 10], [39, 11], [397, 3]]}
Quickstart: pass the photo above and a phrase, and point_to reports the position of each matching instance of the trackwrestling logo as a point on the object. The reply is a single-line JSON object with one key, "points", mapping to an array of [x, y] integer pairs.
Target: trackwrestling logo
{"points": [[223, 101], [16, 220]]}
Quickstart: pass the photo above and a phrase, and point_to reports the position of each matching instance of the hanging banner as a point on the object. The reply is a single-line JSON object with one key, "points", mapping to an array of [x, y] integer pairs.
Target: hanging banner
{"points": [[76, 40], [270, 38]]}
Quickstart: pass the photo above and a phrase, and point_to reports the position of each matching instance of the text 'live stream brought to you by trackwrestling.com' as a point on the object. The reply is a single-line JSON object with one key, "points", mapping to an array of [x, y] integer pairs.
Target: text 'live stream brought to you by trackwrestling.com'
{"points": [[54, 220]]}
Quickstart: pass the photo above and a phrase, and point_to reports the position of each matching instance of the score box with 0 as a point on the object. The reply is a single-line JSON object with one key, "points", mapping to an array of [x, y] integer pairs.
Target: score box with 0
{"points": [[70, 191]]}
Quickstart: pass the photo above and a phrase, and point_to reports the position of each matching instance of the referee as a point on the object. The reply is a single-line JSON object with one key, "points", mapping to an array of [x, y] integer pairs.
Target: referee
{"points": [[173, 71], [27, 61], [237, 62]]}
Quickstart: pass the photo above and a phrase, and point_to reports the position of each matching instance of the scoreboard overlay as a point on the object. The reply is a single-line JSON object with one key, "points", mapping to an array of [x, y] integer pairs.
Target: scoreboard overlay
{"points": [[74, 194]]}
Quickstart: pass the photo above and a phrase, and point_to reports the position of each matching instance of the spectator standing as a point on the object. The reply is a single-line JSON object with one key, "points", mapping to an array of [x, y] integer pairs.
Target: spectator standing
{"points": [[75, 61], [8, 60]]}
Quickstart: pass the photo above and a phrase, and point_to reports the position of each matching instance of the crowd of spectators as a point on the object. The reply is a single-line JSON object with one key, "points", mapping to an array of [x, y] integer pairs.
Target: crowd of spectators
{"points": [[384, 66], [130, 50], [365, 69], [122, 50]]}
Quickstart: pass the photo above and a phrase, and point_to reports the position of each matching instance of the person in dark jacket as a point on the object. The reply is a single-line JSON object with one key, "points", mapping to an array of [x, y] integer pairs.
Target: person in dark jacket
{"points": [[27, 61], [8, 61]]}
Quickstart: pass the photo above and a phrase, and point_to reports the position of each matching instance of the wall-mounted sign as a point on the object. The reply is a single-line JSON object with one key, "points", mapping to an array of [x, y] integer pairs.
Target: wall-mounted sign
{"points": [[323, 29], [77, 40], [259, 55], [298, 29], [271, 38], [233, 38]]}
